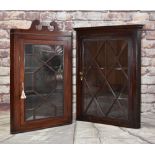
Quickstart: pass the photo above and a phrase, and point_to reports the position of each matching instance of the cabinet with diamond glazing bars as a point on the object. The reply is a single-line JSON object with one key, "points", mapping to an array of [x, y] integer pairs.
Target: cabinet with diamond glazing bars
{"points": [[108, 75], [41, 93]]}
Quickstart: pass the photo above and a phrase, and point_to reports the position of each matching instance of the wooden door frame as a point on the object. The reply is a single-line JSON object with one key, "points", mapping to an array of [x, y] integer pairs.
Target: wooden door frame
{"points": [[17, 38]]}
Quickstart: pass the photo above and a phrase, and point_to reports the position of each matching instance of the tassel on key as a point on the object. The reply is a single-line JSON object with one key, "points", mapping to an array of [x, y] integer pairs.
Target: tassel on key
{"points": [[23, 96]]}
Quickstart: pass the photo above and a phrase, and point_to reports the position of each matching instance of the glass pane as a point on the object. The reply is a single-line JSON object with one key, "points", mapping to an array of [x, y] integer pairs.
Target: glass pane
{"points": [[44, 81], [105, 83]]}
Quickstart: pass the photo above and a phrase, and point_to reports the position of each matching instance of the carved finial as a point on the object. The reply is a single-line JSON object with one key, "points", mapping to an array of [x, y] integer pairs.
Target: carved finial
{"points": [[55, 25], [34, 24]]}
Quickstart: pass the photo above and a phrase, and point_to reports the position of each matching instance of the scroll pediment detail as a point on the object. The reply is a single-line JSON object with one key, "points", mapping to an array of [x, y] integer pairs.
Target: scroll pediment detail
{"points": [[38, 26]]}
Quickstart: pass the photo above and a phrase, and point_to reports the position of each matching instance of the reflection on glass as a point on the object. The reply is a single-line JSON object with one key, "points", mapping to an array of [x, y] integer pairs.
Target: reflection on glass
{"points": [[105, 81], [43, 81]]}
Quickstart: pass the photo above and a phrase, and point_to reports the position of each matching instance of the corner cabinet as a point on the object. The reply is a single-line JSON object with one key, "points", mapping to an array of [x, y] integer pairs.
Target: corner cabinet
{"points": [[108, 75], [41, 75]]}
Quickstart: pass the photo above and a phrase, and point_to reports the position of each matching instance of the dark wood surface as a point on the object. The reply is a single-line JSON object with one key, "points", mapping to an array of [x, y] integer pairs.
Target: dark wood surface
{"points": [[18, 37], [133, 34], [111, 27]]}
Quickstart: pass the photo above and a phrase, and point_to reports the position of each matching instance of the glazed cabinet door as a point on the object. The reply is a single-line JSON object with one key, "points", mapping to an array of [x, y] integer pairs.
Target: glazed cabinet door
{"points": [[42, 82], [104, 78]]}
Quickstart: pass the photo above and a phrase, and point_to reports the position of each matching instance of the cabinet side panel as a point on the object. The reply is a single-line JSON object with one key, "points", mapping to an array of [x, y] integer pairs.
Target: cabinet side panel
{"points": [[14, 83], [137, 100]]}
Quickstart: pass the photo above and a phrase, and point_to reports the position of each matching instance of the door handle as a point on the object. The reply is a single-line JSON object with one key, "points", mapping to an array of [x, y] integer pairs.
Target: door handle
{"points": [[23, 96], [81, 76]]}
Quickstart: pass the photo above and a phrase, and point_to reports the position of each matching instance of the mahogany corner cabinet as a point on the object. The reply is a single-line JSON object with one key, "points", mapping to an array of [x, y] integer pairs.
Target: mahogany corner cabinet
{"points": [[41, 77], [108, 74]]}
